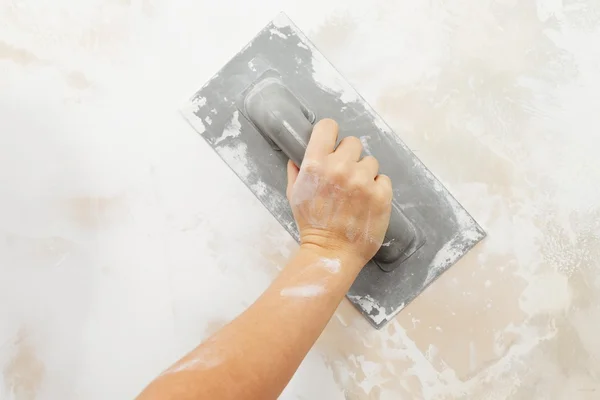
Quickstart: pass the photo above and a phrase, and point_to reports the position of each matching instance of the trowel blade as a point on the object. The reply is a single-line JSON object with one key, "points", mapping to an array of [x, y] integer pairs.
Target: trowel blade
{"points": [[217, 113]]}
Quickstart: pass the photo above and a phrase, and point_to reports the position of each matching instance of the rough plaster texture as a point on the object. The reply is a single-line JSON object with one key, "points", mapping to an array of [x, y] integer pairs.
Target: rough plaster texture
{"points": [[124, 240]]}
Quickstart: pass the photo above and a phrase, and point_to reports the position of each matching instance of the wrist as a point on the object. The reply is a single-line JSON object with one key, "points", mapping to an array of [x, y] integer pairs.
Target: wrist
{"points": [[346, 260]]}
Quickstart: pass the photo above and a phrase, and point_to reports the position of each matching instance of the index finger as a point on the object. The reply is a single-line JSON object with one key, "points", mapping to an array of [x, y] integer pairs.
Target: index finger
{"points": [[322, 140]]}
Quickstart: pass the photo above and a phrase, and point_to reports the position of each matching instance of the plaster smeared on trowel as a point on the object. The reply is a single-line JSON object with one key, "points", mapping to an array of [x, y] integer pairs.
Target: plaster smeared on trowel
{"points": [[232, 129], [277, 32], [326, 77], [378, 313], [260, 188], [329, 79], [199, 102], [269, 197], [235, 156], [365, 142], [447, 255], [196, 123]]}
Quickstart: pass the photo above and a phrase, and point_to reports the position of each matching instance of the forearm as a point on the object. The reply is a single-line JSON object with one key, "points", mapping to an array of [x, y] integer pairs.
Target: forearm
{"points": [[255, 355]]}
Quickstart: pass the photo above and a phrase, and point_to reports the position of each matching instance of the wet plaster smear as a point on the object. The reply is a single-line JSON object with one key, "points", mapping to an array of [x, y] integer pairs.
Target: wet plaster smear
{"points": [[124, 240]]}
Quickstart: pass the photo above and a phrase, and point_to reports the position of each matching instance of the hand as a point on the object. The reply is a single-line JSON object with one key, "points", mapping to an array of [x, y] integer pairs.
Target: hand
{"points": [[341, 205]]}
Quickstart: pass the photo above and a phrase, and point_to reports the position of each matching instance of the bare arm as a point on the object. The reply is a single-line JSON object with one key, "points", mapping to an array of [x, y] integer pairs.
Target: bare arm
{"points": [[342, 209]]}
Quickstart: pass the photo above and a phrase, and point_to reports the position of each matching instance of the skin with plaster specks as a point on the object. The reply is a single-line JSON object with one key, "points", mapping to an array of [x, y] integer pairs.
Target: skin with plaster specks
{"points": [[339, 201], [303, 291], [342, 208]]}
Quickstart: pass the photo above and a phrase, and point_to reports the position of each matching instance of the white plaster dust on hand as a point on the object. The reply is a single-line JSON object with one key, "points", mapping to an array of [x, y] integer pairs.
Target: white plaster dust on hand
{"points": [[332, 265], [351, 230], [205, 359], [320, 201], [307, 198], [306, 185], [307, 290], [303, 291]]}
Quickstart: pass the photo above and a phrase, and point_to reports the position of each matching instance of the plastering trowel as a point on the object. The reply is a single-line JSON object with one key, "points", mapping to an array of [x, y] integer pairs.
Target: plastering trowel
{"points": [[258, 112]]}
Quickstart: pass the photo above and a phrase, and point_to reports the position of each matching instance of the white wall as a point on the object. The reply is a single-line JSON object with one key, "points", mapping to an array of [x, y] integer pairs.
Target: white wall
{"points": [[124, 240]]}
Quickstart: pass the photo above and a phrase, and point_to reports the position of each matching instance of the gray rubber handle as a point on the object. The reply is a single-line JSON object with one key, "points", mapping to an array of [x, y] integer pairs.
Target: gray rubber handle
{"points": [[280, 116]]}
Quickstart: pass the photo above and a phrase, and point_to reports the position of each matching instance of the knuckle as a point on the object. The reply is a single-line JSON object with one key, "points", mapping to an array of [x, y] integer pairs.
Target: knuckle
{"points": [[362, 182], [384, 188], [383, 197], [371, 161], [339, 172], [356, 183], [385, 181], [353, 141], [310, 167]]}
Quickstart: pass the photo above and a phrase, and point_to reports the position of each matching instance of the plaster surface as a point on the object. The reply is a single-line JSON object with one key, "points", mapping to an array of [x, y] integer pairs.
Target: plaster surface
{"points": [[124, 240]]}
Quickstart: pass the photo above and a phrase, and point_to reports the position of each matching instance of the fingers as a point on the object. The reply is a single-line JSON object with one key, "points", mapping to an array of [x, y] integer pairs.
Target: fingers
{"points": [[292, 175], [322, 140], [370, 166], [385, 185], [350, 148]]}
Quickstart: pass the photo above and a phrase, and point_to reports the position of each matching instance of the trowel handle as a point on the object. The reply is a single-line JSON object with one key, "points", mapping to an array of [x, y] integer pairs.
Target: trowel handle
{"points": [[281, 118], [295, 131], [278, 115]]}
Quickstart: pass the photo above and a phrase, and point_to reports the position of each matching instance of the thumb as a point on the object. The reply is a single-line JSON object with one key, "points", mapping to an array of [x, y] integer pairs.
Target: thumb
{"points": [[292, 174]]}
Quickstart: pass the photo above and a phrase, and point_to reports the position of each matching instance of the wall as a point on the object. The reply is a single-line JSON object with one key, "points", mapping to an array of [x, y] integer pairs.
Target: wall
{"points": [[124, 240]]}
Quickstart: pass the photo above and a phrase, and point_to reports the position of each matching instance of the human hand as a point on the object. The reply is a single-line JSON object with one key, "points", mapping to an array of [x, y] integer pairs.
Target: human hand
{"points": [[341, 205]]}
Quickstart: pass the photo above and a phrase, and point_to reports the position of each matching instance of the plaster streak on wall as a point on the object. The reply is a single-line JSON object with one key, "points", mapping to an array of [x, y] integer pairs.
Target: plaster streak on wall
{"points": [[23, 373]]}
